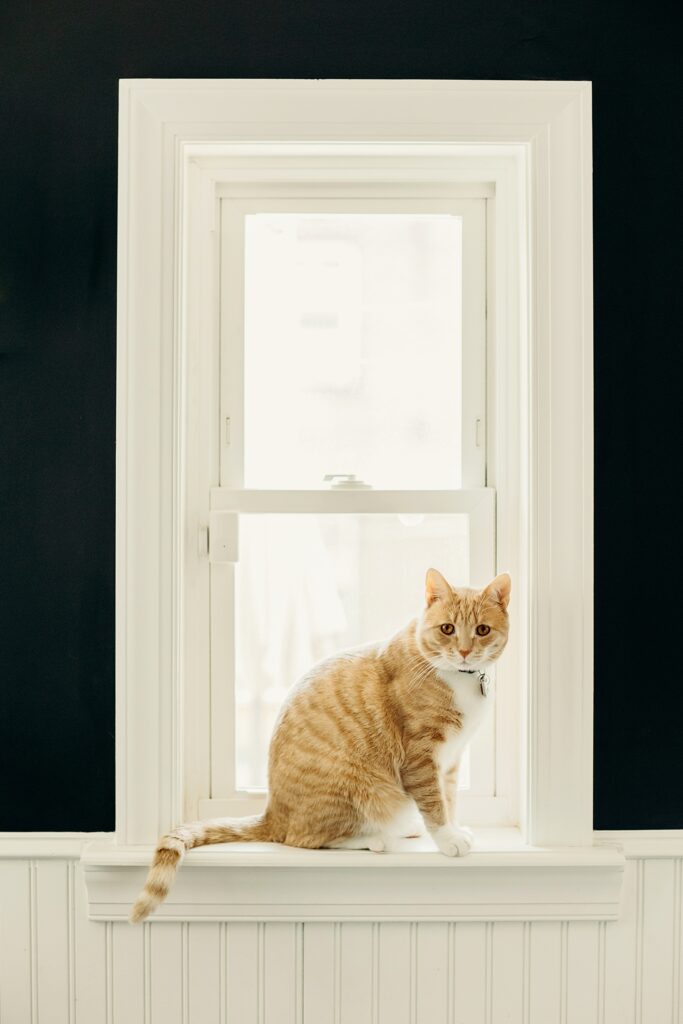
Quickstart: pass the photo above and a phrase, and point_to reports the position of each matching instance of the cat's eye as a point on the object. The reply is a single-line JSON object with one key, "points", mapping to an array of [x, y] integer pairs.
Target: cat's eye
{"points": [[448, 628], [482, 630]]}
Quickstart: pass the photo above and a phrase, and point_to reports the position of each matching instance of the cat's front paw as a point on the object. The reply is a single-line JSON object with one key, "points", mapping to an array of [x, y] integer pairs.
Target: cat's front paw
{"points": [[454, 842]]}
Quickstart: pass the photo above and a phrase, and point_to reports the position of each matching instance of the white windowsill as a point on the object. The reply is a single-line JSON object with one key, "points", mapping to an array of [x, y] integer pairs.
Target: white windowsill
{"points": [[502, 879]]}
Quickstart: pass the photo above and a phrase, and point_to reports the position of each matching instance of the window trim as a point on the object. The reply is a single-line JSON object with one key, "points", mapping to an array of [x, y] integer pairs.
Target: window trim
{"points": [[314, 185], [533, 139], [452, 173]]}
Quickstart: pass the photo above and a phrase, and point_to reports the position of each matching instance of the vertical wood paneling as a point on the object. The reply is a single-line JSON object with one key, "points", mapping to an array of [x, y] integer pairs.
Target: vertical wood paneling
{"points": [[166, 973], [638, 967], [508, 982], [657, 942], [544, 972], [322, 976], [90, 965], [582, 972], [71, 935], [279, 981], [359, 969], [471, 973], [128, 973], [52, 954], [243, 968], [677, 995], [56, 967], [15, 942], [204, 995], [396, 973], [433, 967], [620, 954]]}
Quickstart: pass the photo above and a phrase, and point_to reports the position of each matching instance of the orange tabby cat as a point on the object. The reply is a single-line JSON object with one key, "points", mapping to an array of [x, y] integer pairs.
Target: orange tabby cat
{"points": [[367, 736]]}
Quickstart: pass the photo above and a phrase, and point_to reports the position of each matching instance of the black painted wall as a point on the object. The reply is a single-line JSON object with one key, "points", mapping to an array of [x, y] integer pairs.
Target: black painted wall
{"points": [[59, 66]]}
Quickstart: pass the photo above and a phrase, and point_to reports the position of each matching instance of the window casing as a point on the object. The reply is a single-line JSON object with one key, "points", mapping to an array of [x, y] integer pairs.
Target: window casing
{"points": [[180, 144]]}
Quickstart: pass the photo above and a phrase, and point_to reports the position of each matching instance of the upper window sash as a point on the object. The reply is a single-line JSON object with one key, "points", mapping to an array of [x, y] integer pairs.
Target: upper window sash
{"points": [[469, 334]]}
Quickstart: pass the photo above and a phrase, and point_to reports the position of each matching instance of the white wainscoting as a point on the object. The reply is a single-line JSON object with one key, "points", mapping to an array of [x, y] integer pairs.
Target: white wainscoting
{"points": [[57, 967]]}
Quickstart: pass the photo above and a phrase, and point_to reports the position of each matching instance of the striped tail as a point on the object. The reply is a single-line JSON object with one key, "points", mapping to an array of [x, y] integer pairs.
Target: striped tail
{"points": [[172, 847]]}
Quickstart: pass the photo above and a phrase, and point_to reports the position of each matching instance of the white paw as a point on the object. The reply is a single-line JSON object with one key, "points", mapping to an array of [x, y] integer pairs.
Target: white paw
{"points": [[454, 842], [376, 844]]}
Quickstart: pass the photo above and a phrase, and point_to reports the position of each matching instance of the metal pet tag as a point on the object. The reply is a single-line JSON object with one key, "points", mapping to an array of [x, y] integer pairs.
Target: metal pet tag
{"points": [[484, 684]]}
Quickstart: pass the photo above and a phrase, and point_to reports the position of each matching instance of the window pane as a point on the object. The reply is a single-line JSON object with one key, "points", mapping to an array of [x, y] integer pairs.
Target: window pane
{"points": [[311, 585], [353, 349]]}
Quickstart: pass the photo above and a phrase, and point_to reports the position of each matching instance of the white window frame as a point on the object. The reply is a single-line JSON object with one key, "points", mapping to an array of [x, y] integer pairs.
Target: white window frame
{"points": [[329, 182], [532, 141]]}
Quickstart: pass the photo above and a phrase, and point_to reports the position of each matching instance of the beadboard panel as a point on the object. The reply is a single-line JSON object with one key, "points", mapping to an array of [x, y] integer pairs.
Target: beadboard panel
{"points": [[57, 967]]}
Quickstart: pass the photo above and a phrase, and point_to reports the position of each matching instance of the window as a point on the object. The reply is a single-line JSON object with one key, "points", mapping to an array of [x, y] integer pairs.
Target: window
{"points": [[220, 183], [190, 153], [353, 456]]}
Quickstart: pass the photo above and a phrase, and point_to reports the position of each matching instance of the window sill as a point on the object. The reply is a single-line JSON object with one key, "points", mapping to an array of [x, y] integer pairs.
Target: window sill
{"points": [[501, 880]]}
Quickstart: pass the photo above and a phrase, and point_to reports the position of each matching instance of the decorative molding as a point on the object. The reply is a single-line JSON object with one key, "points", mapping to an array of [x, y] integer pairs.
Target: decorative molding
{"points": [[269, 883], [48, 845], [646, 844]]}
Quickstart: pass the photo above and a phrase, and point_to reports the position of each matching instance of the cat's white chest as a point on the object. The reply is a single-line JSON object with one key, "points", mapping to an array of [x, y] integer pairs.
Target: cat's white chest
{"points": [[473, 706]]}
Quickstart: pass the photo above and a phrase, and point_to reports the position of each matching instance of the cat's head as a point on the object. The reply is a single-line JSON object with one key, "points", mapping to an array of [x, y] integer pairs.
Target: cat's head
{"points": [[461, 628]]}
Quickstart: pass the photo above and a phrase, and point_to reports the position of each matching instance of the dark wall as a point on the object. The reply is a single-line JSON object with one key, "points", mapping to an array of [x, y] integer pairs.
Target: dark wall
{"points": [[59, 66]]}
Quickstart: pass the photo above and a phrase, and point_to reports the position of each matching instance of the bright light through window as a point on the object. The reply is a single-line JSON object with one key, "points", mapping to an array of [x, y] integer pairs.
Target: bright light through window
{"points": [[353, 349]]}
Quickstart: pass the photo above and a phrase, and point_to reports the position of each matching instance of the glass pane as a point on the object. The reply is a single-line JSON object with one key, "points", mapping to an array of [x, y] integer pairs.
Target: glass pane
{"points": [[311, 585], [353, 349]]}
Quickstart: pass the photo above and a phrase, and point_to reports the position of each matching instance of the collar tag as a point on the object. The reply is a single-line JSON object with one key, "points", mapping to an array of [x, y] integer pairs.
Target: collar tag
{"points": [[484, 681]]}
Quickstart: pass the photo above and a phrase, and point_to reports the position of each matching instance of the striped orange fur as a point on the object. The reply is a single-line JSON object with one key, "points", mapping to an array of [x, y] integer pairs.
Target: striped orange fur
{"points": [[366, 736]]}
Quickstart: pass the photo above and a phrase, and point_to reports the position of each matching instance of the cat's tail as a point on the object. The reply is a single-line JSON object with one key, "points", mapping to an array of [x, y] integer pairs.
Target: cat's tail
{"points": [[172, 847]]}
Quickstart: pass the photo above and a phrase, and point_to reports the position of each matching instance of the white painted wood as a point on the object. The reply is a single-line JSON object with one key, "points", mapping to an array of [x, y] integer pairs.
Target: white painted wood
{"points": [[47, 845], [128, 973], [17, 942], [322, 955], [280, 973], [167, 973], [359, 974], [509, 944], [544, 972], [471, 972], [377, 501], [53, 968], [205, 997], [620, 952], [677, 994], [235, 882], [57, 965], [433, 970], [658, 923], [532, 141], [89, 953], [582, 972], [561, 650], [396, 972], [244, 949]]}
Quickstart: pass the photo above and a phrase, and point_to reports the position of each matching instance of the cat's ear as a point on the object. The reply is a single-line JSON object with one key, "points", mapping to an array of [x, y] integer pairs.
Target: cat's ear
{"points": [[435, 587], [499, 589]]}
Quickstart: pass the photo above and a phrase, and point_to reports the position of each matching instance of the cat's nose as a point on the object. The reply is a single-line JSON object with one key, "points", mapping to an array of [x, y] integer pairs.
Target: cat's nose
{"points": [[464, 653]]}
